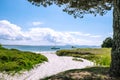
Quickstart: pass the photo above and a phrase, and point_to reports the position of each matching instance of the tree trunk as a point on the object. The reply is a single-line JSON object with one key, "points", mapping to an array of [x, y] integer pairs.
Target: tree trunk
{"points": [[115, 55]]}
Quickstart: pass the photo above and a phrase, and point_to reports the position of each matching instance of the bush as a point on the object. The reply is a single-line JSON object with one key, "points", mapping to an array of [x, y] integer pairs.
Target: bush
{"points": [[1, 47], [107, 43], [100, 56], [16, 60]]}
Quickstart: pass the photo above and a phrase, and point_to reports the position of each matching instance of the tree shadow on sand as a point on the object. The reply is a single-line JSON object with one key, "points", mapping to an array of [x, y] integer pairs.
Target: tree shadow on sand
{"points": [[90, 73]]}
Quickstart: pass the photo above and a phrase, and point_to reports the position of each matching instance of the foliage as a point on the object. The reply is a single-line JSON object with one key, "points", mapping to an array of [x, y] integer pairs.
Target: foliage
{"points": [[78, 8], [107, 43], [15, 60], [77, 59], [101, 56], [92, 73], [0, 45]]}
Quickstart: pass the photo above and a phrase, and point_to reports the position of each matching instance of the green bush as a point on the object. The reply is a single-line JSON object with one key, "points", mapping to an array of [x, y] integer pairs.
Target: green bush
{"points": [[100, 56], [15, 60], [107, 43]]}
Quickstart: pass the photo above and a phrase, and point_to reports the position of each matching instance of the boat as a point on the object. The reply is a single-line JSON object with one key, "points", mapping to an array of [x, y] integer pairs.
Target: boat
{"points": [[55, 47]]}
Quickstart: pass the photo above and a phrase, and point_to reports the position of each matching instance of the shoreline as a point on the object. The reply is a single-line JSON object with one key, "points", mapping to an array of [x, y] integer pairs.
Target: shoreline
{"points": [[54, 65]]}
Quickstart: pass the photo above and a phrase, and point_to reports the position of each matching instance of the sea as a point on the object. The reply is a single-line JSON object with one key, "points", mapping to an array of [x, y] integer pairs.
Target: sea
{"points": [[45, 48]]}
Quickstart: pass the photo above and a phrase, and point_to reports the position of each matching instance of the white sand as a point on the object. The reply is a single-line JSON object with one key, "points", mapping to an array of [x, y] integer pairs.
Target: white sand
{"points": [[55, 65]]}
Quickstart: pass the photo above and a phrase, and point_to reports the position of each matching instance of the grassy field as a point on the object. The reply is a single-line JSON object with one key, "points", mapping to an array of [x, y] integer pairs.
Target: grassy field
{"points": [[92, 73], [13, 60], [100, 56]]}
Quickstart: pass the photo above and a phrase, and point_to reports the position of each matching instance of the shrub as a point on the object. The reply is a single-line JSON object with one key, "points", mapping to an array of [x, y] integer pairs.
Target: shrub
{"points": [[100, 56], [16, 60], [107, 43]]}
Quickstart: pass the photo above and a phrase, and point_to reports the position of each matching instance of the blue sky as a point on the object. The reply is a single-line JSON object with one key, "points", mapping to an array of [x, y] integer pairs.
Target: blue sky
{"points": [[25, 24]]}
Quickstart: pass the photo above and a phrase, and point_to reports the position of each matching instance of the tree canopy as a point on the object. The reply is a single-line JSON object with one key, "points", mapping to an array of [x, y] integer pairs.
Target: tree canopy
{"points": [[107, 43], [78, 8]]}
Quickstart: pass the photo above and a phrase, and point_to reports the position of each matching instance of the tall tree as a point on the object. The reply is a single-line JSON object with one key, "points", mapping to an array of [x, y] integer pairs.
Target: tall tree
{"points": [[107, 43], [78, 8], [115, 63]]}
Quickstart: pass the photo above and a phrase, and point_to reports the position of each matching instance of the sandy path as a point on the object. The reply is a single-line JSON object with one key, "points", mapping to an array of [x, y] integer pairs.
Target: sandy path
{"points": [[55, 65]]}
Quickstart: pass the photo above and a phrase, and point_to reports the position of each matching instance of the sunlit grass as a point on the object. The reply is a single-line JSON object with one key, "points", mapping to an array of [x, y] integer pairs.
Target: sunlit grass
{"points": [[13, 60], [100, 56]]}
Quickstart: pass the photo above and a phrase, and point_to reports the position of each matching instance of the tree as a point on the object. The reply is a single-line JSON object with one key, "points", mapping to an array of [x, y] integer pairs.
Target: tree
{"points": [[78, 8], [107, 43]]}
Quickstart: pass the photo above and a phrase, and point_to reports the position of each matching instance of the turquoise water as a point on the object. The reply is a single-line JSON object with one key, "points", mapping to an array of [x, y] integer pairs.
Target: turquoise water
{"points": [[43, 48]]}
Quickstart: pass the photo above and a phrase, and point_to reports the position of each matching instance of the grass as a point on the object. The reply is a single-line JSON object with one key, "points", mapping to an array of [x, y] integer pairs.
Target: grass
{"points": [[77, 59], [13, 60], [100, 56], [92, 73]]}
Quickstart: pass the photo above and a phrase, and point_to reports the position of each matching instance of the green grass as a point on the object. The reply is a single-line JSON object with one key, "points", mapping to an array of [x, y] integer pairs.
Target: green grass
{"points": [[13, 60], [77, 59], [100, 56], [92, 73]]}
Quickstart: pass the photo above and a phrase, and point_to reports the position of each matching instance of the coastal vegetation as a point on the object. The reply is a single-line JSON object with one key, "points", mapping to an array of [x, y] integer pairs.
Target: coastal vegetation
{"points": [[13, 60], [100, 56], [90, 73]]}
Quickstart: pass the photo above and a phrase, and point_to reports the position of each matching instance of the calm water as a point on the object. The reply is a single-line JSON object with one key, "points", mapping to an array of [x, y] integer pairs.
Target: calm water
{"points": [[43, 48]]}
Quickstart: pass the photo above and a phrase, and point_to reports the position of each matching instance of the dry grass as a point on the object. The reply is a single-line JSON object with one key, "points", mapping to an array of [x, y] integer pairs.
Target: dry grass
{"points": [[93, 73]]}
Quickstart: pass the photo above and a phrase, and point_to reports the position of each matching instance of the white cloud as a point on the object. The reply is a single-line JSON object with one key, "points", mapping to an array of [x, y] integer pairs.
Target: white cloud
{"points": [[85, 34], [37, 23], [111, 34], [10, 31], [95, 36], [46, 36]]}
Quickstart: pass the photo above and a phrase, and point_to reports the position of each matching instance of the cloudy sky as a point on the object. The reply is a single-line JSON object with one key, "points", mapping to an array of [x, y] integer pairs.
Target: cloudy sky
{"points": [[22, 23]]}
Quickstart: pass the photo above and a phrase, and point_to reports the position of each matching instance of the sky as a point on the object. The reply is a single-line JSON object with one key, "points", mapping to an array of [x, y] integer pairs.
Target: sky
{"points": [[22, 23]]}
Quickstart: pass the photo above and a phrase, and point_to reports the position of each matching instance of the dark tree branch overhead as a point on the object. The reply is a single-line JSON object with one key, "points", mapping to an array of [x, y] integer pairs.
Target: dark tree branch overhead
{"points": [[78, 8]]}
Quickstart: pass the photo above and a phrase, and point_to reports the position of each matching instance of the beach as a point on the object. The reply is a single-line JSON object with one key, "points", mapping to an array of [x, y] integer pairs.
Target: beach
{"points": [[54, 65]]}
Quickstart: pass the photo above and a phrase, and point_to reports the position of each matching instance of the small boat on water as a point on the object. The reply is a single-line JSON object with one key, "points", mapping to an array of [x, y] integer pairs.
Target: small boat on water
{"points": [[55, 47]]}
